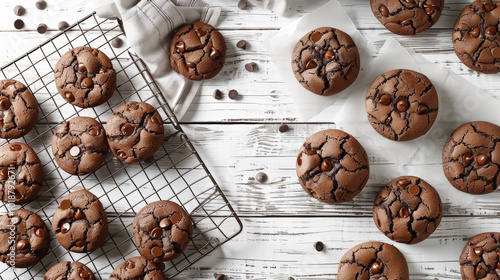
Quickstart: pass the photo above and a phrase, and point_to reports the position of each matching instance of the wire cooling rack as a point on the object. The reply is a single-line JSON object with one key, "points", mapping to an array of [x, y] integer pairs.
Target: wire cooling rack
{"points": [[176, 172]]}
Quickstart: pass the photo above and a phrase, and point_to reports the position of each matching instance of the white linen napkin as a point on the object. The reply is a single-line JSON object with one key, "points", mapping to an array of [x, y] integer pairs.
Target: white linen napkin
{"points": [[148, 26]]}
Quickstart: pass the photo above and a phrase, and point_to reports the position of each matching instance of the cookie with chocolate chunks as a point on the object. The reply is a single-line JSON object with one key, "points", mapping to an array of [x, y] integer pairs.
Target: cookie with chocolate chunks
{"points": [[162, 230], [402, 104], [480, 258], [80, 145], [197, 51], [31, 238], [18, 109], [407, 17], [373, 260], [80, 222], [135, 131], [21, 173], [68, 271], [475, 36], [137, 268], [471, 158], [326, 61], [407, 210], [85, 77], [332, 166]]}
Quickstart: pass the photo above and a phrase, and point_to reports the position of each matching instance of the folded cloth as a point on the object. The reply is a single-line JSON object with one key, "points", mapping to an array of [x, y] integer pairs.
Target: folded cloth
{"points": [[148, 26], [280, 7]]}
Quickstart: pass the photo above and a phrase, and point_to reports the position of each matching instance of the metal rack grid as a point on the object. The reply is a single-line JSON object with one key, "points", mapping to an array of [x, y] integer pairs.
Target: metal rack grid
{"points": [[176, 172]]}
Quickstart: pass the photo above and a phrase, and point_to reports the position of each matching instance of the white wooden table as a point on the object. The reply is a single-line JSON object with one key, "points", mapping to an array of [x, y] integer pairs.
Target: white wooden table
{"points": [[239, 138]]}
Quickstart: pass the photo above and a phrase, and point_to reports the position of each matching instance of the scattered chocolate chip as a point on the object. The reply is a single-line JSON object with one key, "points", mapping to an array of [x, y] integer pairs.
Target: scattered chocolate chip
{"points": [[326, 165], [19, 23], [233, 94], [19, 10], [117, 43], [42, 28], [15, 220], [242, 44], [319, 246], [62, 25], [219, 276], [217, 94], [377, 267], [261, 177], [283, 127], [242, 4], [41, 4], [316, 36], [250, 67], [291, 278]]}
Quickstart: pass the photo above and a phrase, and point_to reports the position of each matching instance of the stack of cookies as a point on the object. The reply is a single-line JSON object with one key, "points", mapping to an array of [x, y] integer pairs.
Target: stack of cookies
{"points": [[85, 77], [402, 105]]}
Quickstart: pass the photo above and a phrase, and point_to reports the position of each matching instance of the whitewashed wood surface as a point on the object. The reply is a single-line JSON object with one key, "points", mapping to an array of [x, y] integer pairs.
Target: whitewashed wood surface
{"points": [[239, 138]]}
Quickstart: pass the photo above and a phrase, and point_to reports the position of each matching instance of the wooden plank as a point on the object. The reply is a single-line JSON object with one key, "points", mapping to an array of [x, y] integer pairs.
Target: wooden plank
{"points": [[236, 153]]}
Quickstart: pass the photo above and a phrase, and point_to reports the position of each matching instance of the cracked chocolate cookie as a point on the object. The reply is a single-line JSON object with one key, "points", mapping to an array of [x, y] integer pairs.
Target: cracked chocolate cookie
{"points": [[326, 61], [402, 104], [137, 268], [407, 17], [475, 36], [332, 166], [373, 260], [162, 230], [134, 131], [21, 173], [80, 145], [471, 158], [80, 222], [480, 258], [197, 51], [407, 210], [85, 77], [31, 240], [18, 109], [69, 271]]}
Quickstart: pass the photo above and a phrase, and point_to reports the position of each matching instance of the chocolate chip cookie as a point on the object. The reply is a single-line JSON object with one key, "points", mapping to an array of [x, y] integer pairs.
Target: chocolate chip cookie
{"points": [[475, 36], [21, 173], [134, 131], [137, 268], [407, 17], [326, 61], [197, 51], [480, 257], [402, 104], [69, 271], [85, 77], [80, 222], [162, 230], [80, 145], [407, 210], [30, 242], [332, 166], [471, 158], [18, 109], [373, 260]]}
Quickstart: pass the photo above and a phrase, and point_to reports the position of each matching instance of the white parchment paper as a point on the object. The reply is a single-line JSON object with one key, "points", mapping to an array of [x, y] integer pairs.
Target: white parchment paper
{"points": [[281, 43]]}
